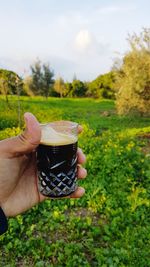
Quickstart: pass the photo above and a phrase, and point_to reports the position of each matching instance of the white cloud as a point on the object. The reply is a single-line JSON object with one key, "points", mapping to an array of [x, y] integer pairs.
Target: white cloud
{"points": [[91, 55], [83, 40], [87, 44]]}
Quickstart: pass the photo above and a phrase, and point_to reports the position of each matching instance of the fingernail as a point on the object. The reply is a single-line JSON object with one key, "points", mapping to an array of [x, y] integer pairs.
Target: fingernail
{"points": [[85, 172], [80, 150], [26, 118], [82, 190]]}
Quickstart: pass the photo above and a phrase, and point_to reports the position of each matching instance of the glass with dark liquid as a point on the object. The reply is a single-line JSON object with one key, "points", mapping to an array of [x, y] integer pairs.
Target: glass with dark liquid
{"points": [[57, 159]]}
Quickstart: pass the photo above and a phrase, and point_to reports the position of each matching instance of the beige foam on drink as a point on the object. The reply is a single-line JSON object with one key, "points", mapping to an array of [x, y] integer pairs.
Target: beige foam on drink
{"points": [[51, 137]]}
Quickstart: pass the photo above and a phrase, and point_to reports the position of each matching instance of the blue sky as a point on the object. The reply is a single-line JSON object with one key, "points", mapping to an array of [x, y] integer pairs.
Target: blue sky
{"points": [[75, 37]]}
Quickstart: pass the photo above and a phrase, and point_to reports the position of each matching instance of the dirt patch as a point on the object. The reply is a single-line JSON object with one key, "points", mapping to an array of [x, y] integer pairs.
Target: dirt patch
{"points": [[107, 113], [84, 212]]}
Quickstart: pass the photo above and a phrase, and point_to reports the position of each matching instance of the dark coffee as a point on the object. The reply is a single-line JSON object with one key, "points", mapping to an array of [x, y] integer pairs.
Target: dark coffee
{"points": [[57, 169]]}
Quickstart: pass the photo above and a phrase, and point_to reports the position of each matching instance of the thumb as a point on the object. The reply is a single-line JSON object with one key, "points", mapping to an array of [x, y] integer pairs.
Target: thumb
{"points": [[26, 141]]}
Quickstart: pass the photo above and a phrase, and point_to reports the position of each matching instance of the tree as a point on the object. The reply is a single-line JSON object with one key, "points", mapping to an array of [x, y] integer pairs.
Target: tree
{"points": [[42, 79], [78, 88], [133, 78], [93, 90], [27, 85], [37, 78], [48, 80], [102, 86], [10, 83], [68, 89], [59, 86]]}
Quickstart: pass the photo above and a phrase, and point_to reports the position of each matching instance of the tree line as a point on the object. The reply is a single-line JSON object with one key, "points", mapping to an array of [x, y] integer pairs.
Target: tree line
{"points": [[42, 82], [128, 82]]}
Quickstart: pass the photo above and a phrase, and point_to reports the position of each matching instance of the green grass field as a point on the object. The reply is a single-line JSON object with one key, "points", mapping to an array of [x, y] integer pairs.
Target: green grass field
{"points": [[110, 225]]}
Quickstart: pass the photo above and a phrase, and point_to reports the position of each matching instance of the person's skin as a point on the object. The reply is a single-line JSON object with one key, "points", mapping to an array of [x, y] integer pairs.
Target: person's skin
{"points": [[18, 179]]}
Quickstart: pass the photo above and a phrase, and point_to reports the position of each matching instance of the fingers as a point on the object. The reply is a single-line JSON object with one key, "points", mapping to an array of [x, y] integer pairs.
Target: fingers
{"points": [[30, 138], [81, 156], [78, 193], [82, 172], [80, 129], [26, 141]]}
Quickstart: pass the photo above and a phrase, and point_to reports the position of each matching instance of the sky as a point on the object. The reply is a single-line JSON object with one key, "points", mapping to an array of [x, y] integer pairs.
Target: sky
{"points": [[78, 38]]}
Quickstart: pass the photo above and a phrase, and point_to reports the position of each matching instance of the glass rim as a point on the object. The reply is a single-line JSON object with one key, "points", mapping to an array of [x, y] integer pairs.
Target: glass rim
{"points": [[69, 125]]}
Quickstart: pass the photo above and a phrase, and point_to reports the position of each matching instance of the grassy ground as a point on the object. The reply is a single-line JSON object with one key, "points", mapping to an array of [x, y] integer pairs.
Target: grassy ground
{"points": [[110, 225]]}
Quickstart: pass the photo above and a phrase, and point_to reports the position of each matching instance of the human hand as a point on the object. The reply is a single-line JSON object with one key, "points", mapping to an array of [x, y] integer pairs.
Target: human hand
{"points": [[18, 178]]}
